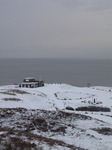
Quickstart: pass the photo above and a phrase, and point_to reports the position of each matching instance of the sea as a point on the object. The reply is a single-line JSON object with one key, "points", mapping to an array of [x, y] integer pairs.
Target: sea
{"points": [[77, 72]]}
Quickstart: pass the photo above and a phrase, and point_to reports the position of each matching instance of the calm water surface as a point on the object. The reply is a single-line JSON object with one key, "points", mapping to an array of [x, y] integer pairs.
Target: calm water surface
{"points": [[70, 71]]}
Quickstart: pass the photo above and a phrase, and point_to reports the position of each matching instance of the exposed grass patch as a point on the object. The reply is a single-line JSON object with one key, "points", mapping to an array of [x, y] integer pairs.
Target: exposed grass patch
{"points": [[12, 99], [18, 91], [7, 93]]}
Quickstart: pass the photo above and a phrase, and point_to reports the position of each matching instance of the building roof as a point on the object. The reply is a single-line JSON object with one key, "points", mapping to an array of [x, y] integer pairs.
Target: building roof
{"points": [[29, 78]]}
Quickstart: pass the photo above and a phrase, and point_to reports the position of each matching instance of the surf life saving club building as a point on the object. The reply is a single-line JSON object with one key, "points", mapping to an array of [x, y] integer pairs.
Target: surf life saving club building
{"points": [[30, 82]]}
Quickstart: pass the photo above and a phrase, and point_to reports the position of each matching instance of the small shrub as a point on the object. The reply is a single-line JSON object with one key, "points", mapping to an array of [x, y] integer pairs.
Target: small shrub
{"points": [[104, 131], [69, 108]]}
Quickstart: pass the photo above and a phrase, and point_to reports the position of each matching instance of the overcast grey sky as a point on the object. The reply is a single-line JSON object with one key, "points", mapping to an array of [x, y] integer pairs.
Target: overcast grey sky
{"points": [[56, 28]]}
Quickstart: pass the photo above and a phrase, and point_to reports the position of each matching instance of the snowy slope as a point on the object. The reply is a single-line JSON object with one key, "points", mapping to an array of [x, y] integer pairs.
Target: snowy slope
{"points": [[93, 133], [59, 94]]}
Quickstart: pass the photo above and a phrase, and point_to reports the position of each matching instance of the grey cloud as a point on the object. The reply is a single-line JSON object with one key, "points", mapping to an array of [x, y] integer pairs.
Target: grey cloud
{"points": [[73, 3], [92, 5], [100, 5], [55, 28]]}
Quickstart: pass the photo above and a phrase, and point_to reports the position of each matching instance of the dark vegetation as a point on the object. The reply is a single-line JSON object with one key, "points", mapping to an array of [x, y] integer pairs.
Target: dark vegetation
{"points": [[16, 141], [17, 126], [7, 93], [104, 131], [12, 99], [93, 108], [18, 91], [14, 92], [70, 108]]}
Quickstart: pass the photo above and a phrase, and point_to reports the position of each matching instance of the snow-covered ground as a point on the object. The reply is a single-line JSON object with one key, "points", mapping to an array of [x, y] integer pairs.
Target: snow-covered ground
{"points": [[92, 133], [55, 95]]}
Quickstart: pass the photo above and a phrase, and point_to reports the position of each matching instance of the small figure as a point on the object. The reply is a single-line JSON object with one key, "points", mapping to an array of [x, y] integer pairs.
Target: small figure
{"points": [[94, 100], [88, 85]]}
